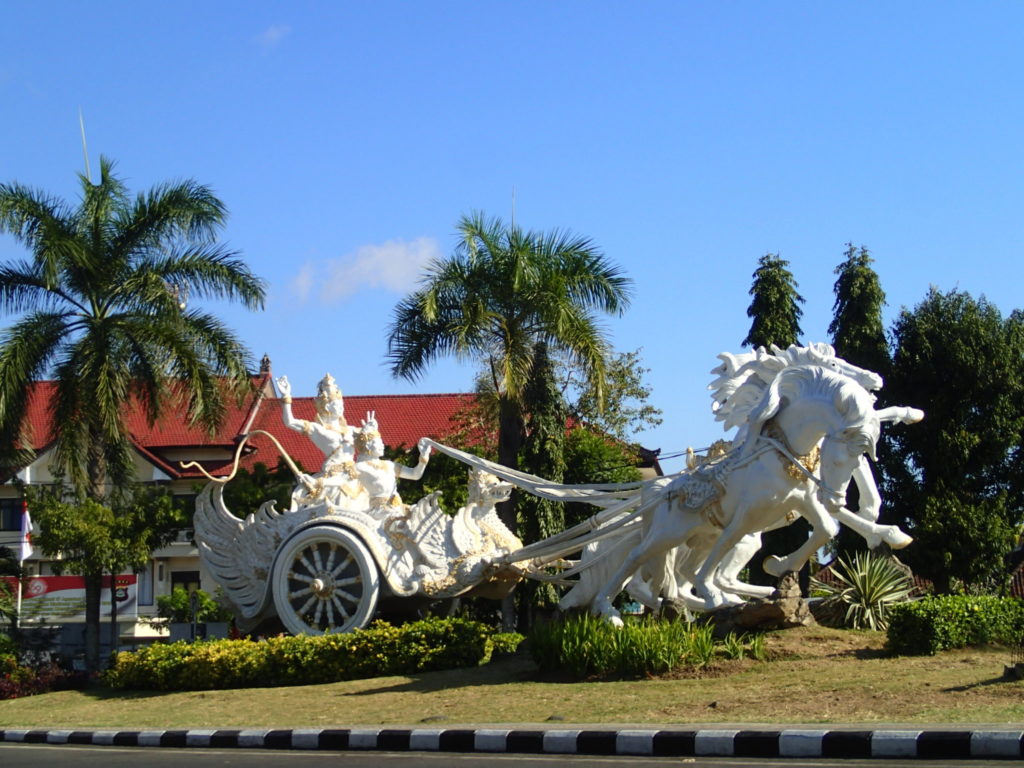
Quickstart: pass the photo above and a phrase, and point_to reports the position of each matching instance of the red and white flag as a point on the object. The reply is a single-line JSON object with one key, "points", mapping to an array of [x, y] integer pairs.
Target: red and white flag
{"points": [[25, 542]]}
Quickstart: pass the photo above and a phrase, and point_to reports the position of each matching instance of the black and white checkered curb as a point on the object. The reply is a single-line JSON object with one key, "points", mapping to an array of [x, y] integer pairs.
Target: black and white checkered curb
{"points": [[951, 744]]}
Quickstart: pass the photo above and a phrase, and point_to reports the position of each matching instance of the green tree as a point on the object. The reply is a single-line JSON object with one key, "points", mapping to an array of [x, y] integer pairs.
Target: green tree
{"points": [[775, 305], [502, 291], [775, 319], [543, 455], [954, 480], [103, 310], [591, 457], [626, 409], [858, 335], [857, 330], [247, 492], [92, 538]]}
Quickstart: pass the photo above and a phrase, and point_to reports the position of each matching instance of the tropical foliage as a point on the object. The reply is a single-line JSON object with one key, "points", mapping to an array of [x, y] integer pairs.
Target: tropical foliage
{"points": [[774, 308], [954, 481], [504, 290], [864, 591], [102, 306]]}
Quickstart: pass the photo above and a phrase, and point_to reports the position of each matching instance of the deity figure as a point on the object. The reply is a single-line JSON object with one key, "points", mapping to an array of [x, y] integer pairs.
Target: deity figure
{"points": [[332, 435], [377, 476]]}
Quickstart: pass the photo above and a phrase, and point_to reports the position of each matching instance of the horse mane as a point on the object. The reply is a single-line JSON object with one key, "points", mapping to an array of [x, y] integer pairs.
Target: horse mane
{"points": [[742, 380], [851, 401]]}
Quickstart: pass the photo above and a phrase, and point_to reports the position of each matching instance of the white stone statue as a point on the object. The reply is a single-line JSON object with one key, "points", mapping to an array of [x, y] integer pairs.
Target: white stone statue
{"points": [[332, 435], [379, 477], [806, 422]]}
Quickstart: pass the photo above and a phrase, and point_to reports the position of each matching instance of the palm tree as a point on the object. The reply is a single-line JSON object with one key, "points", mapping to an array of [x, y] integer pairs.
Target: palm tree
{"points": [[102, 310], [502, 293]]}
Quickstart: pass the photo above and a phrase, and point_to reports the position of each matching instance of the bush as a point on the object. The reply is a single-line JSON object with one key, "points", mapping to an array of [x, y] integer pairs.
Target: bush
{"points": [[177, 607], [954, 621], [868, 587], [380, 649], [18, 680], [585, 647]]}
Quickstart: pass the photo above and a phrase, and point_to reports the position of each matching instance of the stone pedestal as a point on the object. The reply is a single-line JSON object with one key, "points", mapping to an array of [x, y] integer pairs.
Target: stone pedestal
{"points": [[786, 608]]}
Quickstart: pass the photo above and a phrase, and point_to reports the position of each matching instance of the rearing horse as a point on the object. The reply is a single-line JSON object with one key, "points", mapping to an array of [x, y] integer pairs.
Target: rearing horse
{"points": [[806, 405]]}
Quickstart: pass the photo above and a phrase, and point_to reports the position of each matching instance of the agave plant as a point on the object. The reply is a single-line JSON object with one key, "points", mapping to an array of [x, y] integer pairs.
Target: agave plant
{"points": [[868, 586]]}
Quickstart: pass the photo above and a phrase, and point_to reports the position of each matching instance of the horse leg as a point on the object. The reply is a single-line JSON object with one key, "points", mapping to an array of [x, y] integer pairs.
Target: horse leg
{"points": [[668, 528], [704, 584], [727, 575], [873, 533], [870, 502]]}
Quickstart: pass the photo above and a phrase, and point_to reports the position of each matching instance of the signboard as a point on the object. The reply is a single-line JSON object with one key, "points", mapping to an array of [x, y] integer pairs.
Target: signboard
{"points": [[61, 599]]}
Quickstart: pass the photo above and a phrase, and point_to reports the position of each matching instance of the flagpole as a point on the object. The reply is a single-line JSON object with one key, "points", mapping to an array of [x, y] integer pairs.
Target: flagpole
{"points": [[24, 552]]}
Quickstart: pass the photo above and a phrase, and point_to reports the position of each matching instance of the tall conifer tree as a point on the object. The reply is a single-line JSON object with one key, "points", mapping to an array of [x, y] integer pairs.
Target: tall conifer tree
{"points": [[775, 319]]}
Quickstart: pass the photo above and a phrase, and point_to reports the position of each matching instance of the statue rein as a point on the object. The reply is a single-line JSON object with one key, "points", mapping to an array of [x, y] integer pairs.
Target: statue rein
{"points": [[238, 455]]}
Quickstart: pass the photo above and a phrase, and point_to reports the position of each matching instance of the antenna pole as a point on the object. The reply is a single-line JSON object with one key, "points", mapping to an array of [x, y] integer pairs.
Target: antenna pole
{"points": [[513, 207], [85, 151]]}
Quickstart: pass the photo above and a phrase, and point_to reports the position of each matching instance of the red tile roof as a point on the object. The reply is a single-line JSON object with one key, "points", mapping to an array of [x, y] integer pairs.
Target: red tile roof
{"points": [[403, 420]]}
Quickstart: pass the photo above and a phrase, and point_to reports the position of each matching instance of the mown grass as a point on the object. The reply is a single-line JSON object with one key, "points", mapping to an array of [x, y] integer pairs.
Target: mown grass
{"points": [[818, 676]]}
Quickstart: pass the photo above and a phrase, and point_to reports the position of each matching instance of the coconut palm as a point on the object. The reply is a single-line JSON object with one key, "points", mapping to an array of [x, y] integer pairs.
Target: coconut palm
{"points": [[503, 292], [101, 305]]}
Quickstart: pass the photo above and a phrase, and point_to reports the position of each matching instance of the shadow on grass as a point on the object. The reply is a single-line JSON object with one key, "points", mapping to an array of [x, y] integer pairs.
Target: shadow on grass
{"points": [[517, 669], [105, 693]]}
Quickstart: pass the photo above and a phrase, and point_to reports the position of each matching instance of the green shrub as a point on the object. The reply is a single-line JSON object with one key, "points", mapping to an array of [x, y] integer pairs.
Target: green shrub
{"points": [[177, 607], [585, 647], [954, 621], [868, 587], [380, 649]]}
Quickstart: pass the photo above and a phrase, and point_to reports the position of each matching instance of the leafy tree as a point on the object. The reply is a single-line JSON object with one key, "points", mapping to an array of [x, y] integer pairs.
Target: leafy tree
{"points": [[503, 290], [858, 334], [625, 410], [9, 568], [591, 457], [91, 538], [775, 307], [247, 492], [543, 455], [103, 310], [857, 331], [954, 480], [775, 313]]}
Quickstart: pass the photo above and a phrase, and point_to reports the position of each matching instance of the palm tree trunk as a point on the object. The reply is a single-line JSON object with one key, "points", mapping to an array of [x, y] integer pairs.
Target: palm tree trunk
{"points": [[511, 429], [93, 587]]}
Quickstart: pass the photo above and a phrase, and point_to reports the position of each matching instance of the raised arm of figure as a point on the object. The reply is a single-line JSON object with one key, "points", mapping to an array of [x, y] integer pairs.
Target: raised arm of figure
{"points": [[290, 421], [415, 473]]}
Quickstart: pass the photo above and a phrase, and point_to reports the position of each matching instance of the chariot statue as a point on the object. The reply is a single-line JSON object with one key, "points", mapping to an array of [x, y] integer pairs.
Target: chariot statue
{"points": [[806, 425]]}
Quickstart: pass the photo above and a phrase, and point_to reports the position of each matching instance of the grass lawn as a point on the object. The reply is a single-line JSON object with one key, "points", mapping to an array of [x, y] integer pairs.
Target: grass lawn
{"points": [[818, 675]]}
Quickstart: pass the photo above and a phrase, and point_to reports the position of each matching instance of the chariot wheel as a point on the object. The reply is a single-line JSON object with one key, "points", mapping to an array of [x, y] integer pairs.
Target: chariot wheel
{"points": [[325, 580]]}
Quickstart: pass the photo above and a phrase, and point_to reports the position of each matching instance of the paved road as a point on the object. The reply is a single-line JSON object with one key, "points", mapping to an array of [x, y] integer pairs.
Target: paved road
{"points": [[70, 756]]}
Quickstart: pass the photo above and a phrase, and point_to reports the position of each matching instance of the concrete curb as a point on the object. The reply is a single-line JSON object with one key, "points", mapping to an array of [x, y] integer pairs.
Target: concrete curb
{"points": [[949, 744]]}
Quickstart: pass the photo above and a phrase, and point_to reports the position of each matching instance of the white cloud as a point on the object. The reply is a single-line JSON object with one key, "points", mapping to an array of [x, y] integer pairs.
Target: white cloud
{"points": [[272, 36], [395, 266], [303, 282]]}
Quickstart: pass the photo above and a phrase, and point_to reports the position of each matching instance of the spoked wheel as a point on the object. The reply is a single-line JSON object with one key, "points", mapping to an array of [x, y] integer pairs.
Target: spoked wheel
{"points": [[325, 581]]}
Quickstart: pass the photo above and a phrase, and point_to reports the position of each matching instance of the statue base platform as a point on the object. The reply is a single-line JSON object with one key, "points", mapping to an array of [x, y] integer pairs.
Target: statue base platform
{"points": [[785, 609]]}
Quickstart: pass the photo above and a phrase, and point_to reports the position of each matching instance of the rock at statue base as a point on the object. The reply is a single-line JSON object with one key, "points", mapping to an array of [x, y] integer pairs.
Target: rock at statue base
{"points": [[784, 610]]}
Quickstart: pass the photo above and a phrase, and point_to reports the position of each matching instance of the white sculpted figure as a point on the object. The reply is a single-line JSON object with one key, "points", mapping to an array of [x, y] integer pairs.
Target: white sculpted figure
{"points": [[332, 435], [377, 476]]}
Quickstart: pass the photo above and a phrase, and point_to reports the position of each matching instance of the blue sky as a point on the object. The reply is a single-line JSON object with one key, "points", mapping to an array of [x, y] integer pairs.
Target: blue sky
{"points": [[686, 139]]}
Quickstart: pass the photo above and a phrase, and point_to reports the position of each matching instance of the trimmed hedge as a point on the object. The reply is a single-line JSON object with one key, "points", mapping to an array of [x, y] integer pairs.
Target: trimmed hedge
{"points": [[934, 624], [380, 649]]}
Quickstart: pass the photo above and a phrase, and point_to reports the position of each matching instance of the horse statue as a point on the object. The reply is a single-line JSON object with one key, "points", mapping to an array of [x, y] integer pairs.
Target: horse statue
{"points": [[806, 405], [742, 382]]}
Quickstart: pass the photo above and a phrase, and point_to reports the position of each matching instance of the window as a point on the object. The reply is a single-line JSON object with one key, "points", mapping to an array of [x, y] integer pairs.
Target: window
{"points": [[146, 584], [187, 580], [10, 514]]}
